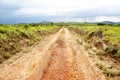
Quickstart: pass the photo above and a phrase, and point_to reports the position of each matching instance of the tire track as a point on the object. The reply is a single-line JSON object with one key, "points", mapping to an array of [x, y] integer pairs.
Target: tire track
{"points": [[61, 59], [62, 65]]}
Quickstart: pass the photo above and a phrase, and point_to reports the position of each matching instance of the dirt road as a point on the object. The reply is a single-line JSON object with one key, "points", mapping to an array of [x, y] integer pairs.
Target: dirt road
{"points": [[58, 57]]}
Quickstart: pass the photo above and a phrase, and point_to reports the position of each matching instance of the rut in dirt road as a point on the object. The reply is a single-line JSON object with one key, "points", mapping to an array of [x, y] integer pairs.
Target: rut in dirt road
{"points": [[62, 62], [59, 57]]}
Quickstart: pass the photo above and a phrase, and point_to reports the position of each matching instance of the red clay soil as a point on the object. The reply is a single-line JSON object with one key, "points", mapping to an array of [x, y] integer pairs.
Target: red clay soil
{"points": [[59, 68], [64, 60], [61, 65]]}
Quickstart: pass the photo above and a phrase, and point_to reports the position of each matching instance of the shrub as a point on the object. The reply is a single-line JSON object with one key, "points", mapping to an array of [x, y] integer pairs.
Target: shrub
{"points": [[1, 59], [100, 66], [100, 24], [6, 55], [118, 54], [100, 52], [109, 73]]}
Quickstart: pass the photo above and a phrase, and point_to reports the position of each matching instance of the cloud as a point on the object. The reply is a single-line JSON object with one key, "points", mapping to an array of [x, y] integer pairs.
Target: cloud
{"points": [[107, 18], [58, 10], [55, 7], [90, 19]]}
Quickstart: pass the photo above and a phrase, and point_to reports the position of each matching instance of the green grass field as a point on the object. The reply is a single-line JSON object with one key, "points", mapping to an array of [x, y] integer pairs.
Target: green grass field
{"points": [[13, 37]]}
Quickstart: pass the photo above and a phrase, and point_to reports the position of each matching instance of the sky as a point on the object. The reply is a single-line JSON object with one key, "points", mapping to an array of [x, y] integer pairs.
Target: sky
{"points": [[28, 11]]}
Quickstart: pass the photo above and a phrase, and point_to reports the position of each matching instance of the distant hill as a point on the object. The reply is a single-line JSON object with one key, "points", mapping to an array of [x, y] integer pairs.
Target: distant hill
{"points": [[108, 22], [117, 22]]}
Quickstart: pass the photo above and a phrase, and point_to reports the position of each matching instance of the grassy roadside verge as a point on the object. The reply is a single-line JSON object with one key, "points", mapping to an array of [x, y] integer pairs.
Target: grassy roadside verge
{"points": [[105, 38], [103, 45], [14, 37]]}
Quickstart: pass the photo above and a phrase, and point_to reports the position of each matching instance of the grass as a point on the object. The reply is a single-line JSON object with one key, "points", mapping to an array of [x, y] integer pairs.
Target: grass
{"points": [[96, 35], [111, 33], [100, 66], [14, 37], [106, 42], [100, 52], [110, 73]]}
